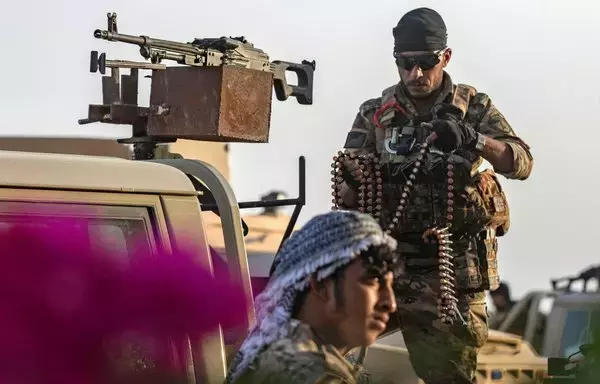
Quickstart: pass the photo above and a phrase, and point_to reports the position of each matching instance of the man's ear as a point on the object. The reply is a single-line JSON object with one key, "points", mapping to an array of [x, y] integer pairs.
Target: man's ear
{"points": [[319, 289], [447, 56]]}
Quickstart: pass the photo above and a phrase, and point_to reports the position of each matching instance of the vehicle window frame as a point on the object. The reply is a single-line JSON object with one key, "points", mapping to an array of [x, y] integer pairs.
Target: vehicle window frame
{"points": [[98, 203], [582, 329], [13, 213]]}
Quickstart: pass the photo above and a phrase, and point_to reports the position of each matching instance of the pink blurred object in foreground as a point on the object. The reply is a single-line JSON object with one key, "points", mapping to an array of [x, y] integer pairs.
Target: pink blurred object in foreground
{"points": [[63, 308]]}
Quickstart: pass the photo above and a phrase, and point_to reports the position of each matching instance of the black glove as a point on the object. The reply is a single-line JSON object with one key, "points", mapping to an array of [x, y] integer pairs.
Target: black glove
{"points": [[349, 175], [452, 133], [452, 136], [446, 112]]}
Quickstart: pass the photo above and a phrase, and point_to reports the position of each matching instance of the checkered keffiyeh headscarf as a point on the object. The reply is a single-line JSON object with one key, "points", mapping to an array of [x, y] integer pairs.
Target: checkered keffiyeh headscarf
{"points": [[323, 245]]}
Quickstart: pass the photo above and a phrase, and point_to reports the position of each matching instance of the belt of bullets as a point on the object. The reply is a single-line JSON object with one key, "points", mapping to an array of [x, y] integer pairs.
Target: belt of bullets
{"points": [[370, 195]]}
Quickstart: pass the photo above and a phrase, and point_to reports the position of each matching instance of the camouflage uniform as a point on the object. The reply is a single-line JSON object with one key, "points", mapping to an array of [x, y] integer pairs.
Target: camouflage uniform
{"points": [[440, 353], [299, 359]]}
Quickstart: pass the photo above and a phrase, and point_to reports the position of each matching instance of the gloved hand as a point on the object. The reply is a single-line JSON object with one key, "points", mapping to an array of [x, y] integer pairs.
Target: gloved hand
{"points": [[351, 173], [452, 133]]}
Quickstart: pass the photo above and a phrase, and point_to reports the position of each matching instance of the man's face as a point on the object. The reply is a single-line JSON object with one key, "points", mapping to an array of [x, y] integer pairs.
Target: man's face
{"points": [[367, 301], [422, 72]]}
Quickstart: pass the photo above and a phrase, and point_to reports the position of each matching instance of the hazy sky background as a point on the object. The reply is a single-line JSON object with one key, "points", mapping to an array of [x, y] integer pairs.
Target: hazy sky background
{"points": [[538, 60]]}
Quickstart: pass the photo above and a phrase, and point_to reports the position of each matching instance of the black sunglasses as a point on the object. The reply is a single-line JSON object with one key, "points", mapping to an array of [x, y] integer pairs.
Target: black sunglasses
{"points": [[425, 61]]}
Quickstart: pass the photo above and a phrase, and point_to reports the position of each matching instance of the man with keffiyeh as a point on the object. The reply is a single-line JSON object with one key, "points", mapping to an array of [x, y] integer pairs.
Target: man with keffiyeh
{"points": [[330, 291]]}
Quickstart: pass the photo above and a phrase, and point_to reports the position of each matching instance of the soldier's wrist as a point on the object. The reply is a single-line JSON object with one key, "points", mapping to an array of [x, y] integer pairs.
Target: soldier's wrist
{"points": [[479, 144], [476, 141]]}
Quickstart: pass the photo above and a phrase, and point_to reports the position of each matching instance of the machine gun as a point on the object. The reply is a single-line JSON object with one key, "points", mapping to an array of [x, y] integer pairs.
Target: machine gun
{"points": [[565, 283], [220, 92]]}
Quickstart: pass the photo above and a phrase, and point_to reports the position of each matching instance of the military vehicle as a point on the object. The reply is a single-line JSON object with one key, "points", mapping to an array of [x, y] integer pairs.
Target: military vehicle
{"points": [[504, 358], [556, 322], [543, 324], [220, 92], [563, 325]]}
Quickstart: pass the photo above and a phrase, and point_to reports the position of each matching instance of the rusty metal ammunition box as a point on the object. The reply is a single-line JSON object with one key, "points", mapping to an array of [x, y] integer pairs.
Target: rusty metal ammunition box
{"points": [[223, 103]]}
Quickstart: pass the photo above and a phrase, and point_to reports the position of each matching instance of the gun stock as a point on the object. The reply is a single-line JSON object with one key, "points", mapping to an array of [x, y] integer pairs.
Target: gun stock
{"points": [[303, 91]]}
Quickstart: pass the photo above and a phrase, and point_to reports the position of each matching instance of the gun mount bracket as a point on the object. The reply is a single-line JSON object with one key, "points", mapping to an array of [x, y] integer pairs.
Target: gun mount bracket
{"points": [[208, 202], [99, 63]]}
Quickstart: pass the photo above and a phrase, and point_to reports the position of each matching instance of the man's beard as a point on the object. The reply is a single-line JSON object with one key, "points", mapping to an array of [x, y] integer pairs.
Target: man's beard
{"points": [[421, 93], [423, 90]]}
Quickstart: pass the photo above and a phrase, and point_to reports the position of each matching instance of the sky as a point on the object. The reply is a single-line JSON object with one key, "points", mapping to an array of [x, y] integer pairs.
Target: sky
{"points": [[536, 59]]}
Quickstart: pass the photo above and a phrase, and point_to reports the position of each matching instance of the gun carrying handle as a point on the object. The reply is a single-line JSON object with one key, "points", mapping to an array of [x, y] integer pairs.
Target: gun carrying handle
{"points": [[304, 90]]}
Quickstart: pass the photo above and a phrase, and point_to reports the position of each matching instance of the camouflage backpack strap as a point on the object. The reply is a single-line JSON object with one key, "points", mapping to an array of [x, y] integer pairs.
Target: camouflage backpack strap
{"points": [[461, 97]]}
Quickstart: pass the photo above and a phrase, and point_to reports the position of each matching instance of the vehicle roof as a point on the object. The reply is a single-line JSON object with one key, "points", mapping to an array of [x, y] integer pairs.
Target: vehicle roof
{"points": [[576, 299], [97, 173]]}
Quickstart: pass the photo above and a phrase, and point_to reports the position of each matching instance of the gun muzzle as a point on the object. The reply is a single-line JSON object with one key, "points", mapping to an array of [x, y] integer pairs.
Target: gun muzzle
{"points": [[112, 36], [148, 42]]}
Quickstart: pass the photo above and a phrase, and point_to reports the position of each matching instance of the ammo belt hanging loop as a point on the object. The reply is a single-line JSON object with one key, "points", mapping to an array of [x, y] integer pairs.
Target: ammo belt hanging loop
{"points": [[447, 301]]}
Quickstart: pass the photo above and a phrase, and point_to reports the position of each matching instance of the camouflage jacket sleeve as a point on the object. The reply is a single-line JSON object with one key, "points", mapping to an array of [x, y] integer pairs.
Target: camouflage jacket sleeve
{"points": [[361, 138], [298, 359], [296, 368], [490, 122]]}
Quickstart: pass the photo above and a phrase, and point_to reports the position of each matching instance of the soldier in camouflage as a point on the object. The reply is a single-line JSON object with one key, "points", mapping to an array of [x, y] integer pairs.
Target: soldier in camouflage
{"points": [[464, 124], [331, 290]]}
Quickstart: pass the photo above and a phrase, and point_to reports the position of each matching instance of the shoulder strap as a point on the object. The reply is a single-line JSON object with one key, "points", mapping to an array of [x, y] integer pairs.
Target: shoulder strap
{"points": [[462, 96], [388, 94]]}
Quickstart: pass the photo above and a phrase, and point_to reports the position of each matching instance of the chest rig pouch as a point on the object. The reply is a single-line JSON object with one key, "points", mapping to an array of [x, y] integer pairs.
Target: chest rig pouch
{"points": [[493, 213], [399, 138]]}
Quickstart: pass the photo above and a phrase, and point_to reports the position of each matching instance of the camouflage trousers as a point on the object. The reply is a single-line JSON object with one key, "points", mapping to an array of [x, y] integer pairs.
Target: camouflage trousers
{"points": [[439, 353]]}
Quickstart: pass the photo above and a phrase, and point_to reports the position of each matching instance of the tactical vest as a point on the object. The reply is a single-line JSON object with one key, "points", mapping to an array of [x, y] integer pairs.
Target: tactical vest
{"points": [[481, 210]]}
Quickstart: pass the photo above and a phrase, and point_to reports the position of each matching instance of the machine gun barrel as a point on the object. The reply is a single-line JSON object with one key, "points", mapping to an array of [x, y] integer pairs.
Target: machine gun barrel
{"points": [[148, 42], [211, 52]]}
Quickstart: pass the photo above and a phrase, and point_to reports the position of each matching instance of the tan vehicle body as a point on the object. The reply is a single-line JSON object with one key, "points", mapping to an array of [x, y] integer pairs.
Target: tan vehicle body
{"points": [[505, 359], [131, 198]]}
